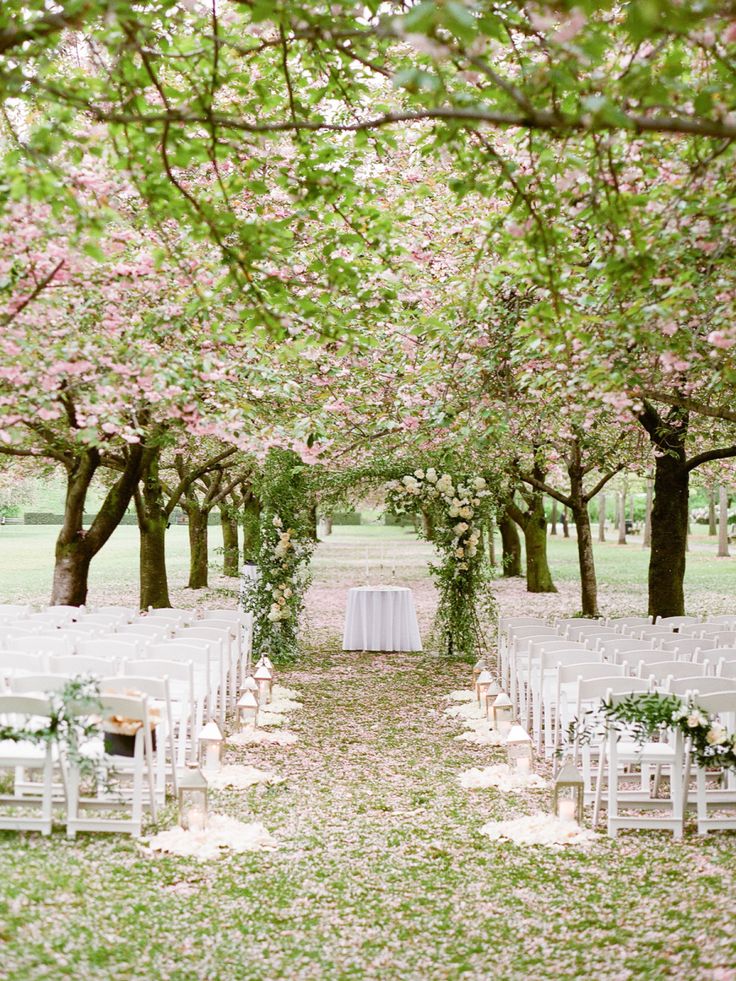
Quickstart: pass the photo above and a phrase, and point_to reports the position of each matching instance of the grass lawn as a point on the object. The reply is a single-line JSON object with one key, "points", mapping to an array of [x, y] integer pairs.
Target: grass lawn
{"points": [[381, 870]]}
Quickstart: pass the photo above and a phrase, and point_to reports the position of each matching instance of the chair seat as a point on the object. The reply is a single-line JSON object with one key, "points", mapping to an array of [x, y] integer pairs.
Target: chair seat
{"points": [[648, 752]]}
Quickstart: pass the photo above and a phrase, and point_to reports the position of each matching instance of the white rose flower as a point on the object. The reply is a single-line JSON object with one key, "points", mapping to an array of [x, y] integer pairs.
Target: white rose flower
{"points": [[459, 553], [479, 483], [277, 522], [287, 591], [419, 474], [459, 528], [472, 551], [716, 734], [695, 719], [466, 512], [431, 475], [454, 511], [475, 501]]}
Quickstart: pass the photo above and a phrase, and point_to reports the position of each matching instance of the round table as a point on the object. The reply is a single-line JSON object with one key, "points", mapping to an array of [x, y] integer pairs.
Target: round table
{"points": [[381, 618]]}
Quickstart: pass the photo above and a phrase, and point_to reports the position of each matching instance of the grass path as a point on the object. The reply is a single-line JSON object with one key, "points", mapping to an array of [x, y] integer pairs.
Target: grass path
{"points": [[381, 871]]}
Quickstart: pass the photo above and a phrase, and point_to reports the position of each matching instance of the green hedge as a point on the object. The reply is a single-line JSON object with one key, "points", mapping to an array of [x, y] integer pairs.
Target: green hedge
{"points": [[48, 518], [405, 520], [347, 518]]}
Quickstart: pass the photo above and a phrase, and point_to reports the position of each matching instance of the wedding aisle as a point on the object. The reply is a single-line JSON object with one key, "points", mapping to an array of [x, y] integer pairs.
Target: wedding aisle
{"points": [[380, 870]]}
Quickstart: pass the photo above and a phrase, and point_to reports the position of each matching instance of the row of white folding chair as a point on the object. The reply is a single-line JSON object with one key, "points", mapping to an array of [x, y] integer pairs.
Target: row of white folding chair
{"points": [[188, 702], [507, 627], [21, 757], [547, 691], [721, 705], [520, 639]]}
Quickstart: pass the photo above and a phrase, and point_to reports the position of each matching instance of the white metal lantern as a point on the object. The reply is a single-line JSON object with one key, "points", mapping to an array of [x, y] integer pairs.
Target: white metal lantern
{"points": [[502, 714], [247, 710], [492, 692], [192, 799], [519, 752], [485, 679], [264, 680], [250, 684], [568, 793], [478, 668], [211, 746]]}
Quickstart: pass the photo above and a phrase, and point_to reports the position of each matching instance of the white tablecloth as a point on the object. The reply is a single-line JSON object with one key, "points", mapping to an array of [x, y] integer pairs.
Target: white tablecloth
{"points": [[381, 618]]}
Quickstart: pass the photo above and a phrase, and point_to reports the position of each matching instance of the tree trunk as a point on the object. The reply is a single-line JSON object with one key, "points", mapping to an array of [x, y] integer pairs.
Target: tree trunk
{"points": [[251, 524], [198, 552], [75, 546], [723, 551], [565, 524], [553, 518], [601, 517], [586, 560], [154, 585], [327, 524], [621, 506], [427, 526], [230, 547], [153, 521], [538, 575], [510, 547], [669, 535], [647, 538], [712, 527]]}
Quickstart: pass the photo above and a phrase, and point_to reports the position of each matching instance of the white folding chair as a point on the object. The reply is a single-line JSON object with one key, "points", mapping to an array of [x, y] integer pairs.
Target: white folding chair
{"points": [[177, 618], [726, 638], [726, 668], [519, 638], [105, 622], [25, 711], [222, 644], [15, 611], [115, 796], [651, 633], [634, 656], [187, 704], [564, 623], [721, 706], [505, 626], [37, 684], [593, 641], [727, 620], [662, 670], [567, 692], [159, 701], [618, 757], [582, 631], [544, 686], [125, 612], [56, 616], [145, 628], [11, 632]]}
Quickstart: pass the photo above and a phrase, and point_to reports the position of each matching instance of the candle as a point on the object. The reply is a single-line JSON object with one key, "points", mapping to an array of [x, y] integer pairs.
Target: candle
{"points": [[212, 758], [504, 727], [196, 820], [566, 810], [523, 766]]}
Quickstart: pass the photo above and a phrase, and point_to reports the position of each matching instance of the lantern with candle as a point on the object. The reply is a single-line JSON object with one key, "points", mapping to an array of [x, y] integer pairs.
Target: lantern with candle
{"points": [[264, 680], [519, 752], [492, 693], [211, 746], [478, 668], [192, 799], [568, 793], [247, 710], [265, 661], [502, 714], [250, 684], [485, 680]]}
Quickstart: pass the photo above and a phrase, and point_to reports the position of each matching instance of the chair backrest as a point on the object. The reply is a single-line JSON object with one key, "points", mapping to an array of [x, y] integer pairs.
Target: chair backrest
{"points": [[726, 669], [174, 650], [134, 707], [231, 626], [682, 646], [141, 628], [520, 645], [553, 659], [661, 670], [677, 621], [234, 615], [158, 668], [125, 612], [579, 621], [115, 646], [37, 684], [649, 657], [585, 630], [531, 630], [718, 703], [725, 639], [726, 618], [592, 641], [173, 619], [44, 644], [22, 661], [136, 685], [621, 644], [598, 688], [24, 705], [538, 647], [700, 683], [56, 616], [643, 633], [9, 632], [104, 621], [570, 673], [74, 664], [81, 630], [507, 623], [692, 630]]}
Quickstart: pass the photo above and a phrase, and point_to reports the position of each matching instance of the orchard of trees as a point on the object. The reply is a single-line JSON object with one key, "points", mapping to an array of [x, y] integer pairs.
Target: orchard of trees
{"points": [[498, 237]]}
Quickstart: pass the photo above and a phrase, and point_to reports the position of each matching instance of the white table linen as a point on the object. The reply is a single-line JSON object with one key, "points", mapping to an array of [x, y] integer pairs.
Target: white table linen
{"points": [[381, 618]]}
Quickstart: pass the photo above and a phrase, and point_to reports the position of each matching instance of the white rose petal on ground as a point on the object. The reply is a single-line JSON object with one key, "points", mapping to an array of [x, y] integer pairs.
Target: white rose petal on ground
{"points": [[501, 777], [223, 835], [539, 829], [464, 695], [239, 777], [253, 737]]}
